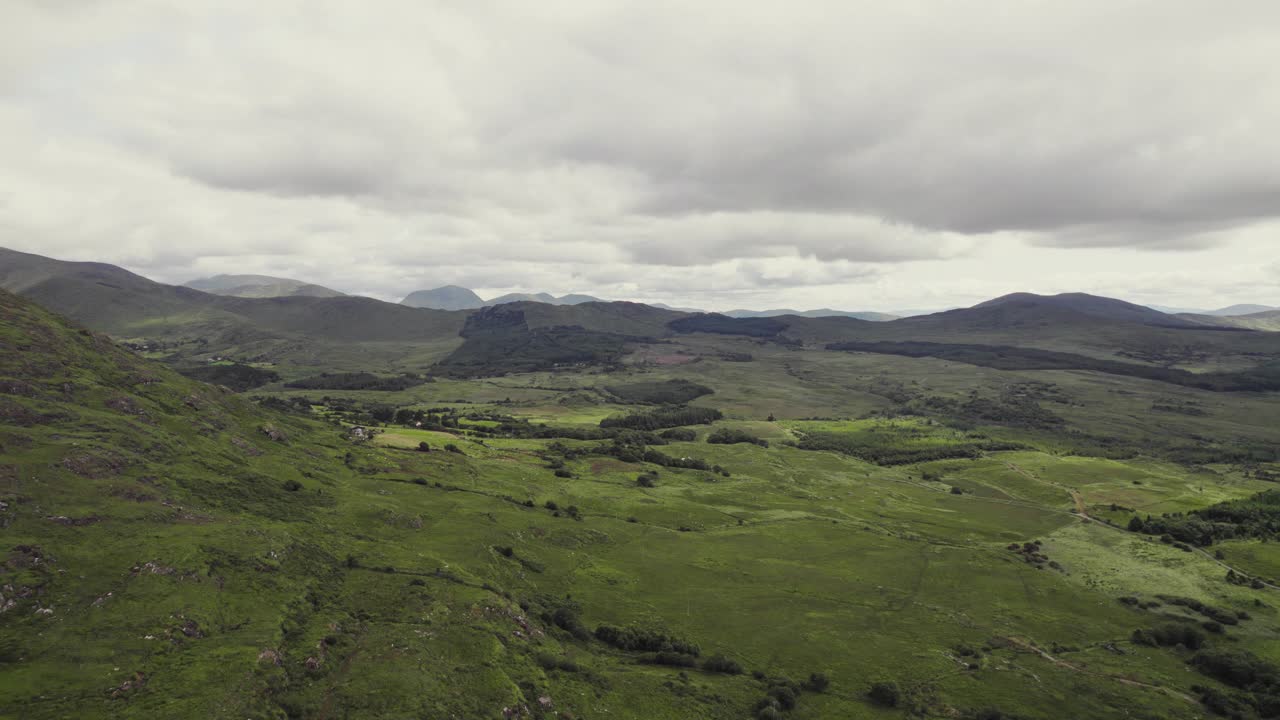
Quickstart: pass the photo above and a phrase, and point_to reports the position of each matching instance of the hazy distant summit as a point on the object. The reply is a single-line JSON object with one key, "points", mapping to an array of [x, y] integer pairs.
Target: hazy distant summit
{"points": [[260, 286], [1238, 310], [449, 297], [547, 298], [821, 312], [455, 297]]}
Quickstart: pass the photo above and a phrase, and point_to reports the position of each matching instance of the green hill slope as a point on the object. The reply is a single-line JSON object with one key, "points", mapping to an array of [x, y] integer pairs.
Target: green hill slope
{"points": [[171, 551], [300, 329], [1098, 327], [260, 286], [1267, 320]]}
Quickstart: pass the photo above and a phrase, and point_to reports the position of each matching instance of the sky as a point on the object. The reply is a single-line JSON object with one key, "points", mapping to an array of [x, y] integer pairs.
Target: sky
{"points": [[843, 154]]}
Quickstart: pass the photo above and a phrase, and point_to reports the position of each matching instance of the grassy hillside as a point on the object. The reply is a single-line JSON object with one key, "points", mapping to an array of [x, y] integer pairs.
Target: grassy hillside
{"points": [[1094, 328], [189, 324], [949, 532], [1267, 320], [883, 546], [260, 286]]}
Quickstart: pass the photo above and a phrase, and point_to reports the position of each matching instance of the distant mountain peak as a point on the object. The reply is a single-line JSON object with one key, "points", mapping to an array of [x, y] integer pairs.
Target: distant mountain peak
{"points": [[455, 297], [1022, 307], [446, 297], [1242, 309], [542, 297]]}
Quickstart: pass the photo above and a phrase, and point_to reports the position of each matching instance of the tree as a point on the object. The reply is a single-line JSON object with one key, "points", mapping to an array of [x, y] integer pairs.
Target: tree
{"points": [[424, 447]]}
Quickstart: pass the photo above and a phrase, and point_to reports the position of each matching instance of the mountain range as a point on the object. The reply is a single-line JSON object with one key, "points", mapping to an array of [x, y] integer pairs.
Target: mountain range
{"points": [[455, 297], [309, 330]]}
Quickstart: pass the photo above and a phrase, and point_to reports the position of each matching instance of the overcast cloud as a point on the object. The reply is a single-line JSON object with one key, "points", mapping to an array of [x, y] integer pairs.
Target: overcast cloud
{"points": [[843, 154]]}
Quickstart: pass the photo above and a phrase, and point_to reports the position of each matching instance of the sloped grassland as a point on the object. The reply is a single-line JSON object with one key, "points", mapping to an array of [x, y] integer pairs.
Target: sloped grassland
{"points": [[173, 551]]}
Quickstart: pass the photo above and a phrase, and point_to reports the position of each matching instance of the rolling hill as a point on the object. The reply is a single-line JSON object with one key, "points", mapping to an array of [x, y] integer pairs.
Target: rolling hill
{"points": [[126, 305], [1268, 320], [823, 312], [1236, 310], [1102, 328], [1022, 308], [260, 286]]}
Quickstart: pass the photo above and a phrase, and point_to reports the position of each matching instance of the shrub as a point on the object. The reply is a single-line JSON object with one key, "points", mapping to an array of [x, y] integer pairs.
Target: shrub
{"points": [[563, 473], [662, 392], [1237, 668], [722, 664], [424, 447], [454, 449], [292, 485], [1170, 635], [551, 662], [886, 693], [818, 682], [728, 436], [356, 381], [672, 659], [635, 639], [785, 695], [664, 418], [679, 435], [566, 617]]}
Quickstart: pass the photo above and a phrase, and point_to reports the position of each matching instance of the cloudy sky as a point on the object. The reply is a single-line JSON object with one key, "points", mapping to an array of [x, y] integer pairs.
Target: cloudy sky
{"points": [[857, 155]]}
